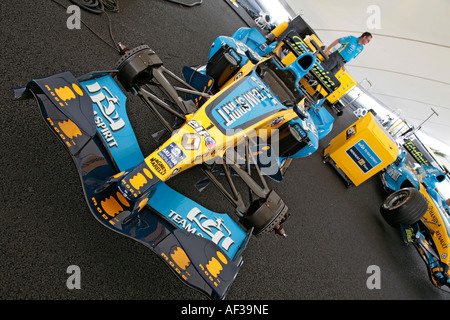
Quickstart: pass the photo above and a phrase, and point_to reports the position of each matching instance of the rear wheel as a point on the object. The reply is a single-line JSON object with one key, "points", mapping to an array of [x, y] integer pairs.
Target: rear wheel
{"points": [[404, 207]]}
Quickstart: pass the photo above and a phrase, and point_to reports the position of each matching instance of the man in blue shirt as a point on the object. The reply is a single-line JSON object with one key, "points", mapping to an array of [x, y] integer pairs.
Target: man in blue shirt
{"points": [[350, 48]]}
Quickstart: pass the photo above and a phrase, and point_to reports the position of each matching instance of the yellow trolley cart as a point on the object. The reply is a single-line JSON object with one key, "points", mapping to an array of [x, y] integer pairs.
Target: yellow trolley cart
{"points": [[361, 151]]}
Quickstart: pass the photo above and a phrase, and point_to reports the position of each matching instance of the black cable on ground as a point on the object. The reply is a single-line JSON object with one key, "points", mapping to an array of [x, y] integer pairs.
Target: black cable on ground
{"points": [[97, 6], [111, 5], [102, 6], [186, 4], [94, 6]]}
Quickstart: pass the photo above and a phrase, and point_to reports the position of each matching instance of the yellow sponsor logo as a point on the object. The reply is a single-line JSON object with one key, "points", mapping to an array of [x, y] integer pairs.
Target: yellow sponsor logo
{"points": [[122, 199], [111, 206], [179, 261], [138, 181], [214, 267], [148, 173], [65, 131], [77, 89], [62, 94], [180, 258], [70, 129], [65, 93]]}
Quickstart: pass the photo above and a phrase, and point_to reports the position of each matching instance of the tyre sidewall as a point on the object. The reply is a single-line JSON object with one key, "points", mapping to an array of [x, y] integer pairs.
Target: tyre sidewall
{"points": [[407, 211]]}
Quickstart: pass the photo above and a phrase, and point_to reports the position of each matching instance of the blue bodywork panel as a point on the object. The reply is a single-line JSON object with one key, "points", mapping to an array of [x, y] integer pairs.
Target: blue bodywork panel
{"points": [[248, 40]]}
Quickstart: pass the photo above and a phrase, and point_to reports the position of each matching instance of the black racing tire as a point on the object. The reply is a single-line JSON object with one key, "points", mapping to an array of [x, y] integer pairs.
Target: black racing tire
{"points": [[404, 207]]}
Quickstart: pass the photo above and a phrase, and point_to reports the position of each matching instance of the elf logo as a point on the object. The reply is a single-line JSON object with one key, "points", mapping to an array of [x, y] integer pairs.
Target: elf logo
{"points": [[209, 141]]}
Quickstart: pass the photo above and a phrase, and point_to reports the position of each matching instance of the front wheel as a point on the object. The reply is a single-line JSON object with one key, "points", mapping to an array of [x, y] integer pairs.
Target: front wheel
{"points": [[135, 66], [404, 207]]}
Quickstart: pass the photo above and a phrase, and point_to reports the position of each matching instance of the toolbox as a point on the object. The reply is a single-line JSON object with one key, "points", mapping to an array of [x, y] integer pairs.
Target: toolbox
{"points": [[361, 151]]}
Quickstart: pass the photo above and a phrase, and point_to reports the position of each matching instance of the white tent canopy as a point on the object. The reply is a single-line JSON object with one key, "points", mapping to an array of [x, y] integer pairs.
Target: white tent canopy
{"points": [[408, 59]]}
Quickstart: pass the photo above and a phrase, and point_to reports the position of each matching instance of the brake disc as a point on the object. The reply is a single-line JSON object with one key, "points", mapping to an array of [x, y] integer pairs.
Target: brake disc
{"points": [[266, 215]]}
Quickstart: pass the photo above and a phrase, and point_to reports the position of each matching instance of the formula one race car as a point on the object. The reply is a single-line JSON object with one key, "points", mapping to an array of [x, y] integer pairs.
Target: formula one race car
{"points": [[224, 124], [416, 207]]}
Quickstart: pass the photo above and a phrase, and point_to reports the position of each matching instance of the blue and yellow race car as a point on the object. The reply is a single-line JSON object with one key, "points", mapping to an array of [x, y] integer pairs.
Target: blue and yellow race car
{"points": [[416, 207], [239, 116]]}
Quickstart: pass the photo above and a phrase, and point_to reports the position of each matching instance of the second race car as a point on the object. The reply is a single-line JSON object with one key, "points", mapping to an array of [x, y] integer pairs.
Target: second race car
{"points": [[416, 207]]}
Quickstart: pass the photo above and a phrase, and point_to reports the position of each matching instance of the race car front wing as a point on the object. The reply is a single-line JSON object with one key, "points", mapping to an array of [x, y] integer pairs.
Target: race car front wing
{"points": [[88, 116]]}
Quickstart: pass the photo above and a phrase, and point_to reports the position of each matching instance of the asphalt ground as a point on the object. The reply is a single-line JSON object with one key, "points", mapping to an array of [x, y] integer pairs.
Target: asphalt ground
{"points": [[335, 233]]}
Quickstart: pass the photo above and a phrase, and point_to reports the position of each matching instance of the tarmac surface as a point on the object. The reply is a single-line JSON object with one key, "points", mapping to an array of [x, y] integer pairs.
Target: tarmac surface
{"points": [[335, 233]]}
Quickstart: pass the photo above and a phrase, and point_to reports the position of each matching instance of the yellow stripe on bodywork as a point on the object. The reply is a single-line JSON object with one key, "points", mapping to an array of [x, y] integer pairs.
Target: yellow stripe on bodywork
{"points": [[437, 226]]}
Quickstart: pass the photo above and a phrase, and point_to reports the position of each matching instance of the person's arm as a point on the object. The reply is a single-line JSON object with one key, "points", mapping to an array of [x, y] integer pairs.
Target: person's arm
{"points": [[335, 42]]}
